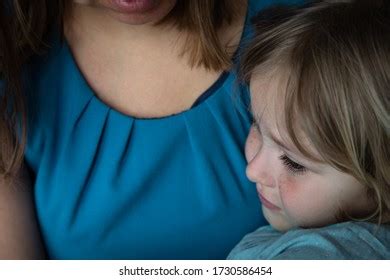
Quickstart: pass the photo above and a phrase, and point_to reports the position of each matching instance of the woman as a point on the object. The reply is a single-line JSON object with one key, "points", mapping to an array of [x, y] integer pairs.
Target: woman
{"points": [[134, 140]]}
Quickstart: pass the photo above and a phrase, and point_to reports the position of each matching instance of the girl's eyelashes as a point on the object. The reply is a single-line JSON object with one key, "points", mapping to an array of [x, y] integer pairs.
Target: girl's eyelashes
{"points": [[292, 166]]}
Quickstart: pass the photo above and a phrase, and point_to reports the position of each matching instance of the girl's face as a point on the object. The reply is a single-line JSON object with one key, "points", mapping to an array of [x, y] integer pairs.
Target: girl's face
{"points": [[294, 191], [134, 12]]}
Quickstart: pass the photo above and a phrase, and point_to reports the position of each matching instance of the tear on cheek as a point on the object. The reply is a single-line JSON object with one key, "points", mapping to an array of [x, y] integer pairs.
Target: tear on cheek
{"points": [[288, 189], [292, 196]]}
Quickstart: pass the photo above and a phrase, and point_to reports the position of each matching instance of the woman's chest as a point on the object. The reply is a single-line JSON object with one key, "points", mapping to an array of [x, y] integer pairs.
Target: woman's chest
{"points": [[143, 83]]}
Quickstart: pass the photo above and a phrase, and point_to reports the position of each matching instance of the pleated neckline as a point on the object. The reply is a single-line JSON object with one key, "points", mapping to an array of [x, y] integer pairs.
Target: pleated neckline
{"points": [[213, 91]]}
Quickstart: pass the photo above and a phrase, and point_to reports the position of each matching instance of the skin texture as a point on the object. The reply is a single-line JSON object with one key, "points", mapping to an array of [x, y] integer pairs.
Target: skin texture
{"points": [[137, 68], [294, 191]]}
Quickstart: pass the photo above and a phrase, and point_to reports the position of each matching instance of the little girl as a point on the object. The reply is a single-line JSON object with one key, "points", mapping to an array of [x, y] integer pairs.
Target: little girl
{"points": [[319, 149]]}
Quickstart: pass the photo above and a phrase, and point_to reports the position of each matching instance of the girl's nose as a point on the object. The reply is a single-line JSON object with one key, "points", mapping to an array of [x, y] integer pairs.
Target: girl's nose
{"points": [[259, 170]]}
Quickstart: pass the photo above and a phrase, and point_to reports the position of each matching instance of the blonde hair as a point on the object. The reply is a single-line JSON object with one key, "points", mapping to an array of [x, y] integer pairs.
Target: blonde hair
{"points": [[338, 90]]}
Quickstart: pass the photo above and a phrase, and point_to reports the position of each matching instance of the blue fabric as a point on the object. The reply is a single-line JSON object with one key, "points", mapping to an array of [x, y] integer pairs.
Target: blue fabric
{"points": [[111, 186], [349, 241]]}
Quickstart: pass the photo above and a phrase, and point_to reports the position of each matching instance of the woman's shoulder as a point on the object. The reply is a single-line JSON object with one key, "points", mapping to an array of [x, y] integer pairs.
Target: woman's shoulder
{"points": [[55, 96], [349, 240], [53, 84]]}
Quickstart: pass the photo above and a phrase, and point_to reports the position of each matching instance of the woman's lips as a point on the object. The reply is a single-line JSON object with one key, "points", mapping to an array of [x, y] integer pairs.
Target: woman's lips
{"points": [[267, 203], [133, 6]]}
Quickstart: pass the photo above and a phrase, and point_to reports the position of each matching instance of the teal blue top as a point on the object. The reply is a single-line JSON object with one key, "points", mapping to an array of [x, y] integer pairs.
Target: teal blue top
{"points": [[344, 241], [111, 186]]}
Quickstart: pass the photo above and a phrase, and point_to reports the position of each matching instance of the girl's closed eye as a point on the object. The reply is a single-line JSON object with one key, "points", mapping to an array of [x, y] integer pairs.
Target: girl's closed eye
{"points": [[292, 166]]}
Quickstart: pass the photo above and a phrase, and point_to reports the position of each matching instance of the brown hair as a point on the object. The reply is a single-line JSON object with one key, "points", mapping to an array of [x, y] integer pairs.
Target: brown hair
{"points": [[202, 19], [24, 25], [337, 57]]}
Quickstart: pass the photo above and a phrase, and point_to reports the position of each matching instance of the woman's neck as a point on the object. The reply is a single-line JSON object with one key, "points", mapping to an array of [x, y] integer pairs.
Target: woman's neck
{"points": [[87, 23], [139, 70]]}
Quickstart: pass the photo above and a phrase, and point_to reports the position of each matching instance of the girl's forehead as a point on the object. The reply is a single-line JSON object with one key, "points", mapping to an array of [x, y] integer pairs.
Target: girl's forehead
{"points": [[267, 94], [267, 106]]}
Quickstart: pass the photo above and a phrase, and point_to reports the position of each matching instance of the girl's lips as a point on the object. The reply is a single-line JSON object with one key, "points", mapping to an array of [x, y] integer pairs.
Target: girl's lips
{"points": [[133, 6], [267, 203]]}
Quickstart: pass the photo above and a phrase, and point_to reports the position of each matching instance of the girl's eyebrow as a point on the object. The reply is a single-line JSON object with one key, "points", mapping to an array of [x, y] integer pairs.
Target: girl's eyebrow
{"points": [[263, 129], [280, 143]]}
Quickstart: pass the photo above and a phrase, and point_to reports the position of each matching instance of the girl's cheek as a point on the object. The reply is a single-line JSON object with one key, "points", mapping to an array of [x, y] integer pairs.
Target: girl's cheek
{"points": [[288, 187], [292, 196], [304, 202]]}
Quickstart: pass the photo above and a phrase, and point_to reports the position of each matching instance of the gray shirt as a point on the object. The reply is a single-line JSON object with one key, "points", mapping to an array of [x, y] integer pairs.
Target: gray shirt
{"points": [[349, 240]]}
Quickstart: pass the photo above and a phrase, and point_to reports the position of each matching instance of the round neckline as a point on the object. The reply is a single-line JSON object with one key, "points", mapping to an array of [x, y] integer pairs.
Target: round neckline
{"points": [[211, 92]]}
